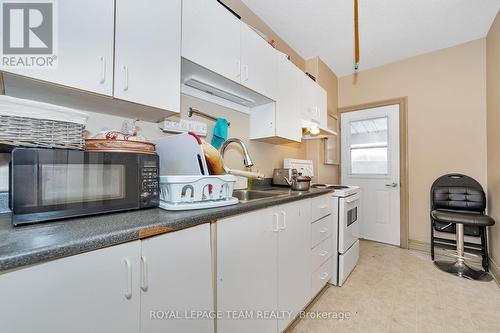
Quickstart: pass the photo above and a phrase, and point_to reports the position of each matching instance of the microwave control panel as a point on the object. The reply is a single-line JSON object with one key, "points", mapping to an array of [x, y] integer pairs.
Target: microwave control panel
{"points": [[150, 181]]}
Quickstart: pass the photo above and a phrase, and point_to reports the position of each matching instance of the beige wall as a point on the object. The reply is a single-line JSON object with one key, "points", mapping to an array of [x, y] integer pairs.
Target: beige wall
{"points": [[493, 130], [250, 18], [446, 93]]}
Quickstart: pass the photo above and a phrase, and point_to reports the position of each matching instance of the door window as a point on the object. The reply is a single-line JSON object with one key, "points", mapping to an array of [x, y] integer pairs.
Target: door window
{"points": [[368, 146]]}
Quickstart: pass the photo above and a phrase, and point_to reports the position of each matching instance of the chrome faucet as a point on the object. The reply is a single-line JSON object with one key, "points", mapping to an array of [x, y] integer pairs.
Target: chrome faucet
{"points": [[246, 158]]}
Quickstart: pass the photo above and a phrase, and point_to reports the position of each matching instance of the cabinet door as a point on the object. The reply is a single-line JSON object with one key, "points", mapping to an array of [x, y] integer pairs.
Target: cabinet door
{"points": [[247, 248], [177, 276], [308, 93], [211, 37], [288, 100], [294, 259], [258, 60], [147, 63], [92, 292], [84, 47], [322, 106]]}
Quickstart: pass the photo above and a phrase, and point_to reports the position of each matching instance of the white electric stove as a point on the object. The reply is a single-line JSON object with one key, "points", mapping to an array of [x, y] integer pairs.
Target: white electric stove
{"points": [[345, 221]]}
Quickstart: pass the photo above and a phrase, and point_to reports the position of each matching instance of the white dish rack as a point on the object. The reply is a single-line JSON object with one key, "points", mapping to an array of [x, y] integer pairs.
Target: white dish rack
{"points": [[196, 192]]}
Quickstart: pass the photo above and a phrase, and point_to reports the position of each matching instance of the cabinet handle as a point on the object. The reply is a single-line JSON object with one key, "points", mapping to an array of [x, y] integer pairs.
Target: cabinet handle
{"points": [[322, 231], [245, 69], [323, 207], [144, 274], [103, 70], [238, 68], [283, 226], [324, 276], [323, 253], [276, 222], [128, 288], [125, 74]]}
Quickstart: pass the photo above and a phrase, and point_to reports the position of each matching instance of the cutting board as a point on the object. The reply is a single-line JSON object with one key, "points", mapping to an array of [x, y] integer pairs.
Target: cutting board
{"points": [[181, 155]]}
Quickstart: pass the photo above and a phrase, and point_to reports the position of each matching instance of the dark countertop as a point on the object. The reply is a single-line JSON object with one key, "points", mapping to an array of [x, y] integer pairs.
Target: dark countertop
{"points": [[31, 244]]}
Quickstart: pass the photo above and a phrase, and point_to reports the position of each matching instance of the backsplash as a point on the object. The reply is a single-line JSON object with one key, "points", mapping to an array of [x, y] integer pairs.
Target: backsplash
{"points": [[265, 156]]}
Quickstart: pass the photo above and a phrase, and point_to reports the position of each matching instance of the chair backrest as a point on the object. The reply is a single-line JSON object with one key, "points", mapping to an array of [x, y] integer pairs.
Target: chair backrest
{"points": [[458, 192]]}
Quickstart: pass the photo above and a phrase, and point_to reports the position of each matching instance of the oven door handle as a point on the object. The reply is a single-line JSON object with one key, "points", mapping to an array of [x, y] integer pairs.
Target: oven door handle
{"points": [[352, 198]]}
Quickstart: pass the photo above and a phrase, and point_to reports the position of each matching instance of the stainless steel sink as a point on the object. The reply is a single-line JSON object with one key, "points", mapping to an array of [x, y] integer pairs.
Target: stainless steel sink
{"points": [[252, 195]]}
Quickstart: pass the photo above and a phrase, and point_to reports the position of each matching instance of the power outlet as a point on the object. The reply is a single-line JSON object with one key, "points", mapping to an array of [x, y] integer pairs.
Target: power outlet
{"points": [[183, 126]]}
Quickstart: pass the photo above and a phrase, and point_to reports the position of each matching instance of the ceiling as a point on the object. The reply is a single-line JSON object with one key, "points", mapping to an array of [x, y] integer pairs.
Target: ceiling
{"points": [[390, 30]]}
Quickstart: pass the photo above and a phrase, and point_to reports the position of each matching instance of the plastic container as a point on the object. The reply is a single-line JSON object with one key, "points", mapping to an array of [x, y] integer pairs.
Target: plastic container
{"points": [[196, 192]]}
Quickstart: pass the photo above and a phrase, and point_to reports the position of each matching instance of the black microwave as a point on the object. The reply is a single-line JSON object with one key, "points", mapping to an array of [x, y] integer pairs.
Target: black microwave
{"points": [[50, 184]]}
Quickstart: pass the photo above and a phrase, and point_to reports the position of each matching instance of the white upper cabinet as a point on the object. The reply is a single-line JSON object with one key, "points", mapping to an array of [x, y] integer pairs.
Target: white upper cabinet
{"points": [[91, 292], [176, 275], [258, 63], [84, 47], [148, 42], [211, 37], [281, 121], [322, 105], [288, 100], [313, 102]]}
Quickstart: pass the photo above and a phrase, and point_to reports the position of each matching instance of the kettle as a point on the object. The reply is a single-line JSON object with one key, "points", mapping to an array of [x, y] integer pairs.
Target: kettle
{"points": [[298, 182]]}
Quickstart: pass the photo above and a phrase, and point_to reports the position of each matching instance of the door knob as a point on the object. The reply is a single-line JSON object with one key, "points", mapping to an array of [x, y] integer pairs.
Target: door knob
{"points": [[392, 185]]}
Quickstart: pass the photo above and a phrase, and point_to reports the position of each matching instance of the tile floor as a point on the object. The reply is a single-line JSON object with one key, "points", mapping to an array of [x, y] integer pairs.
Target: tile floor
{"points": [[395, 290]]}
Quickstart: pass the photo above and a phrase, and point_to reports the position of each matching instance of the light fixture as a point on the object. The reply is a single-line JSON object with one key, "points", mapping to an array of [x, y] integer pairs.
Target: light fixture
{"points": [[314, 130]]}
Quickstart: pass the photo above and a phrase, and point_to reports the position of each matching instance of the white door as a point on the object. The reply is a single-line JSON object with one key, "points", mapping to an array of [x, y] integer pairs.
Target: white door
{"points": [[370, 159], [96, 291], [177, 276], [258, 60], [84, 47], [294, 259], [148, 48], [247, 271], [211, 37]]}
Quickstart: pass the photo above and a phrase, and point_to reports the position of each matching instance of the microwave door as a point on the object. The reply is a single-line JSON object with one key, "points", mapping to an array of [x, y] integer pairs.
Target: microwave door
{"points": [[71, 183]]}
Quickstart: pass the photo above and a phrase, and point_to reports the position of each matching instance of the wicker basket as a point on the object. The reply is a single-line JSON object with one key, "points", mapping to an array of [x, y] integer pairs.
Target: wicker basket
{"points": [[29, 132], [33, 124]]}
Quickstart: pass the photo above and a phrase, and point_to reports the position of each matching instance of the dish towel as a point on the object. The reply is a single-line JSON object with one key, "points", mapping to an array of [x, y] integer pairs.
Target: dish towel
{"points": [[220, 132]]}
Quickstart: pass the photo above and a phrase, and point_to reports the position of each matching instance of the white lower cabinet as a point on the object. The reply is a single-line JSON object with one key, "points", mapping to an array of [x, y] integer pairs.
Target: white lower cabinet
{"points": [[176, 281], [322, 236], [263, 263], [267, 271], [293, 260], [247, 261], [96, 291], [160, 284]]}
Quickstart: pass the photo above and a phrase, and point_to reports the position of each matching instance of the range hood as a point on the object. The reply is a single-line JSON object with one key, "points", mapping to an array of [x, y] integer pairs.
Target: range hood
{"points": [[312, 130], [202, 83]]}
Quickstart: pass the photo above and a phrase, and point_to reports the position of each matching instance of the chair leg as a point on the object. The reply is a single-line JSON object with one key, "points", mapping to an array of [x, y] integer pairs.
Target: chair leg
{"points": [[432, 240], [459, 267], [484, 245]]}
